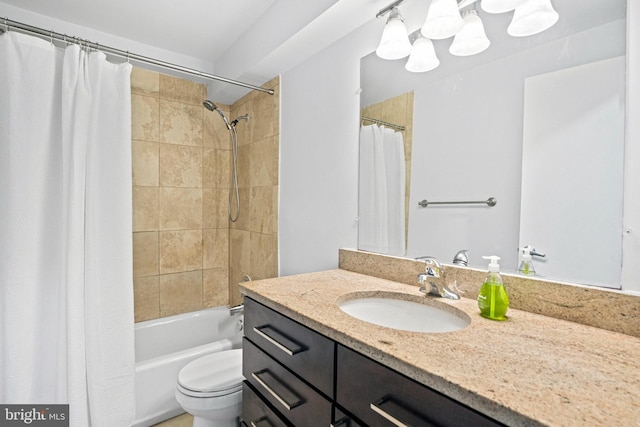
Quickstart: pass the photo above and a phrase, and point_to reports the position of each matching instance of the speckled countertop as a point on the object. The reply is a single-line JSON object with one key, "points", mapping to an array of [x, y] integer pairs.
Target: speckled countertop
{"points": [[527, 371]]}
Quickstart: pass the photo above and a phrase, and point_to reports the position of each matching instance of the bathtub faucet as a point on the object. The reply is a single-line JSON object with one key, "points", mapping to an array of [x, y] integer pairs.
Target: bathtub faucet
{"points": [[238, 309]]}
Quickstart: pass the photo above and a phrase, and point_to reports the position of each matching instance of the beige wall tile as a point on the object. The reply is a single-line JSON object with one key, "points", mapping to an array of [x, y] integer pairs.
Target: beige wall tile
{"points": [[181, 123], [180, 166], [235, 298], [146, 298], [244, 219], [215, 248], [244, 166], [145, 163], [180, 208], [182, 90], [264, 256], [145, 82], [216, 168], [215, 287], [263, 207], [214, 208], [180, 251], [264, 117], [240, 250], [243, 128], [144, 118], [216, 134], [263, 162], [145, 208], [180, 293], [145, 254]]}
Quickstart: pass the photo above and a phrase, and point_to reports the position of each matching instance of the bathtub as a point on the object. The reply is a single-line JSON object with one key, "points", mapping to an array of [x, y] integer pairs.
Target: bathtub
{"points": [[164, 346]]}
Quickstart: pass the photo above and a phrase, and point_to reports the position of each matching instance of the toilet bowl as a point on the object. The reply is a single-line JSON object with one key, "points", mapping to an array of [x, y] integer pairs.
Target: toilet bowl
{"points": [[210, 389]]}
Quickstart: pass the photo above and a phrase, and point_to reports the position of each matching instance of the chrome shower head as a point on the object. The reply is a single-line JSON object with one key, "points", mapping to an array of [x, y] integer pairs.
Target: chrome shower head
{"points": [[209, 105]]}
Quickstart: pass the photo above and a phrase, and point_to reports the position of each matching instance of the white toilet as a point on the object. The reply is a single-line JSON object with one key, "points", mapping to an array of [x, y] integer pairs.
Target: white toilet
{"points": [[210, 389]]}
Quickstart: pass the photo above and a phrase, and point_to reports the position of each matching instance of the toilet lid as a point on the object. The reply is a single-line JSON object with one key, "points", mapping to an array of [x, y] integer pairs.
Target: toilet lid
{"points": [[215, 374]]}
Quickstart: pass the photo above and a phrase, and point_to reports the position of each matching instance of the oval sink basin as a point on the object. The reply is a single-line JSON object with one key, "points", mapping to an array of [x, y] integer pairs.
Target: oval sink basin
{"points": [[405, 315]]}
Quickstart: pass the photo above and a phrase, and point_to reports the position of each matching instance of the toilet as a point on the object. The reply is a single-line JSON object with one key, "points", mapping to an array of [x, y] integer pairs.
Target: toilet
{"points": [[210, 389]]}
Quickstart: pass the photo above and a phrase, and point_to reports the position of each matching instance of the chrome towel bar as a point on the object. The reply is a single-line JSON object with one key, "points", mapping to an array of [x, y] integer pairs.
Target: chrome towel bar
{"points": [[491, 201]]}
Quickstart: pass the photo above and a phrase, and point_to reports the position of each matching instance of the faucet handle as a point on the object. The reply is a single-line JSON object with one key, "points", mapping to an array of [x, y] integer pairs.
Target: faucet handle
{"points": [[432, 265]]}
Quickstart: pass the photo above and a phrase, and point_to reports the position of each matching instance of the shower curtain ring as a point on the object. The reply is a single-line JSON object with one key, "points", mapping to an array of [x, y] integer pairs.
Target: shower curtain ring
{"points": [[51, 37], [127, 57], [6, 23]]}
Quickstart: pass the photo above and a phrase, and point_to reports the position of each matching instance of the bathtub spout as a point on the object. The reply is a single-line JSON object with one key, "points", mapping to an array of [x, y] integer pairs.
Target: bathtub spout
{"points": [[238, 309]]}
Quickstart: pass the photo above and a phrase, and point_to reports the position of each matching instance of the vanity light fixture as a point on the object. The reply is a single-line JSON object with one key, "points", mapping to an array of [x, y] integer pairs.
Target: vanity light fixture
{"points": [[532, 17], [394, 43], [471, 39], [423, 56], [445, 20]]}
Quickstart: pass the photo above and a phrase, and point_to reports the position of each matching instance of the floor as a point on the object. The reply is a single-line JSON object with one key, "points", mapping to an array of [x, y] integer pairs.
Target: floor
{"points": [[184, 420]]}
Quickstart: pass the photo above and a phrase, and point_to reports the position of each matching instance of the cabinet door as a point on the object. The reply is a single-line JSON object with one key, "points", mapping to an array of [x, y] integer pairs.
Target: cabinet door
{"points": [[256, 413], [303, 351], [379, 396], [340, 419], [294, 399]]}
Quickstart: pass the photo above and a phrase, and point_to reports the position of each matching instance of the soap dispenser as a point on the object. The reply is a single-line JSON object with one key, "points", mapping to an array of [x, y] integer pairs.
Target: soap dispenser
{"points": [[526, 265], [493, 300]]}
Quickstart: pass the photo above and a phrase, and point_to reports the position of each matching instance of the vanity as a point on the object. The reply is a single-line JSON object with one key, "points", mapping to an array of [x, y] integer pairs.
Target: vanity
{"points": [[306, 362]]}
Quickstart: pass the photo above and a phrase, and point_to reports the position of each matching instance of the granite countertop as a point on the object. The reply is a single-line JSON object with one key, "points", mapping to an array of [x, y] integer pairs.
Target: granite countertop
{"points": [[529, 370]]}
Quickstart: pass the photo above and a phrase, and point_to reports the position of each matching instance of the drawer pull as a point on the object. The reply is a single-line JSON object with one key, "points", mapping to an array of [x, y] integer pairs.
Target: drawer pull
{"points": [[260, 422], [277, 339], [295, 400], [394, 419]]}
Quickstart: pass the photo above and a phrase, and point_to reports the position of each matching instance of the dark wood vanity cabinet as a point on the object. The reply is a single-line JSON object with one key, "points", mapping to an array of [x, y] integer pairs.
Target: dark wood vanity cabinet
{"points": [[297, 377]]}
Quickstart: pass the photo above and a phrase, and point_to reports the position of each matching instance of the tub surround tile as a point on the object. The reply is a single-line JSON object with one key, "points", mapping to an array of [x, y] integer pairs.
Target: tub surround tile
{"points": [[181, 90], [244, 166], [215, 248], [264, 255], [144, 118], [240, 250], [146, 298], [145, 159], [181, 123], [145, 82], [263, 162], [597, 307], [145, 254], [244, 219], [216, 134], [215, 287], [180, 251], [530, 370], [180, 292], [180, 208], [145, 208], [214, 208], [263, 209], [216, 169], [180, 166]]}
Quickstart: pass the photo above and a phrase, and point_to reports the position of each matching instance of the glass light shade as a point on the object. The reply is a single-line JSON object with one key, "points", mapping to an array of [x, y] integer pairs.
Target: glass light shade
{"points": [[394, 43], [534, 16], [443, 20], [500, 6], [471, 39], [423, 56]]}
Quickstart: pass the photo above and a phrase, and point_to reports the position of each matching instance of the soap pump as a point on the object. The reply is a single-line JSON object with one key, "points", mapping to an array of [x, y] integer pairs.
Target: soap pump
{"points": [[526, 265], [493, 300]]}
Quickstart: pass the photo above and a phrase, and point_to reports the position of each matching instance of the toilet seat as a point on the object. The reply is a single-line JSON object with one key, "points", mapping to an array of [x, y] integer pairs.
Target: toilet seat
{"points": [[213, 375]]}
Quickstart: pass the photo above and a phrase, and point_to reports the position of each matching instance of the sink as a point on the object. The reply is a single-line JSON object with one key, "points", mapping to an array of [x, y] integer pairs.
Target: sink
{"points": [[392, 312]]}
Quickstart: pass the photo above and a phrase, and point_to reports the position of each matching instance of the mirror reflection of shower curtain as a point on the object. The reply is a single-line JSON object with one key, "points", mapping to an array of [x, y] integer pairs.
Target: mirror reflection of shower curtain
{"points": [[382, 191]]}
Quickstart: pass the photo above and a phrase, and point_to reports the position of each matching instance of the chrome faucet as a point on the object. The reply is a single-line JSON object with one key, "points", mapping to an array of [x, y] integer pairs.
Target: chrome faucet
{"points": [[433, 279]]}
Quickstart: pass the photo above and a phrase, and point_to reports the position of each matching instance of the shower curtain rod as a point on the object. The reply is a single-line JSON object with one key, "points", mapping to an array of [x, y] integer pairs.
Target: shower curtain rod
{"points": [[382, 122], [52, 35]]}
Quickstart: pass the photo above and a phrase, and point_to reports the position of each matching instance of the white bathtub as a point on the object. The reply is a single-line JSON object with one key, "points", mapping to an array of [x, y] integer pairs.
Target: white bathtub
{"points": [[164, 346]]}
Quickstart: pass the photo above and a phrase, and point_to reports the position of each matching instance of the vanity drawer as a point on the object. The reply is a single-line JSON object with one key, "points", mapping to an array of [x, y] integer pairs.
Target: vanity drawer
{"points": [[376, 395], [340, 419], [256, 413], [293, 398], [303, 351]]}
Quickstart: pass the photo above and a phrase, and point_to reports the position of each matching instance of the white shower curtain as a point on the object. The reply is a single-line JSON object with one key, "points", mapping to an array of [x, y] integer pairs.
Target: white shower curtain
{"points": [[382, 191], [66, 286]]}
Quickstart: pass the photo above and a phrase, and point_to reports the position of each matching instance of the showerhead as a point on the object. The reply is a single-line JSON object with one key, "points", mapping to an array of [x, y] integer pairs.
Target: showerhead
{"points": [[213, 107]]}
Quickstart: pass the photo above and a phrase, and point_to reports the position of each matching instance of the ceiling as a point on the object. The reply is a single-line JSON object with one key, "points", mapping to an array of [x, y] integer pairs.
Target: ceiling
{"points": [[246, 40]]}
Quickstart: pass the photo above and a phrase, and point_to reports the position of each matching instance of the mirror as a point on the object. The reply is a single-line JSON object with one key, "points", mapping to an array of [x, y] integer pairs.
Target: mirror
{"points": [[470, 120]]}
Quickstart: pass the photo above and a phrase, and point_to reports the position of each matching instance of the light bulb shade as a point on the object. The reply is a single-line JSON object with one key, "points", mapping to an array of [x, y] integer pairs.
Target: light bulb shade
{"points": [[394, 43], [500, 6], [443, 20], [533, 17], [423, 56], [471, 39]]}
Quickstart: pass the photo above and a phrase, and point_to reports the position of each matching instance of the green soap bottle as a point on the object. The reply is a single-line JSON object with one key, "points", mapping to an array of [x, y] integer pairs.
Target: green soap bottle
{"points": [[493, 300]]}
